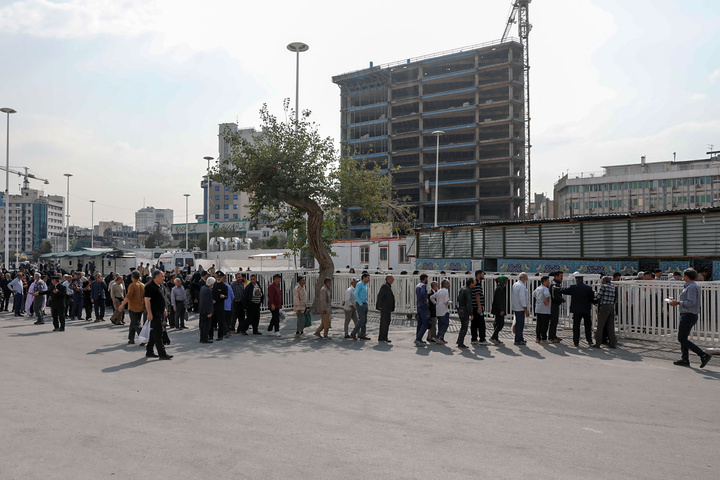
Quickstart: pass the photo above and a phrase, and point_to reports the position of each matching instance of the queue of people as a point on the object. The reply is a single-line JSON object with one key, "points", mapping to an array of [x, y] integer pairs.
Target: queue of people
{"points": [[232, 306]]}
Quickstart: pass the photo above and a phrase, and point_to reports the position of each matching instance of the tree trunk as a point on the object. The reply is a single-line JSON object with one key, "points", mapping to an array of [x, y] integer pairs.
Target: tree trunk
{"points": [[315, 242]]}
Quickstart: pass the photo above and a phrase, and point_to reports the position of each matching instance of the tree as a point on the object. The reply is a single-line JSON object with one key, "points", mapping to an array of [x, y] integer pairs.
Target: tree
{"points": [[157, 239], [273, 241], [295, 177]]}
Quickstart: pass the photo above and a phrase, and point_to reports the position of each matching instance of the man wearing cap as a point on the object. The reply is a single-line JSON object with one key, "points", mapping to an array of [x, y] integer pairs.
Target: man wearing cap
{"points": [[582, 297], [57, 296]]}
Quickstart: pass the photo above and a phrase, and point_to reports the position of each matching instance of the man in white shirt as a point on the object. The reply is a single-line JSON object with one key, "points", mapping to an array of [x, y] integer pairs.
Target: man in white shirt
{"points": [[16, 286], [349, 307], [441, 299], [519, 307], [542, 310], [37, 290]]}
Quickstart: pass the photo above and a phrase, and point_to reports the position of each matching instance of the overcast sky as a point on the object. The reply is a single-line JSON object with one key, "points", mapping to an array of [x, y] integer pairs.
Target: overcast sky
{"points": [[126, 95]]}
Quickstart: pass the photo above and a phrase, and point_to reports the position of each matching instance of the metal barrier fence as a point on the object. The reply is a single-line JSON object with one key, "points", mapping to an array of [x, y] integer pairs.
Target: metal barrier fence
{"points": [[641, 311]]}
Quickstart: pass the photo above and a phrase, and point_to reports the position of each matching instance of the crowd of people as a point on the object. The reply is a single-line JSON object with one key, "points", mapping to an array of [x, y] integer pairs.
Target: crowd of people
{"points": [[232, 305]]}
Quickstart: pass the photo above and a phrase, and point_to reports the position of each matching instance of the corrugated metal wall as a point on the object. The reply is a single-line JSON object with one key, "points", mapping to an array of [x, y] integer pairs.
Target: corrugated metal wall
{"points": [[561, 240], [702, 238], [430, 244], [494, 242], [458, 244], [522, 241], [606, 239], [662, 236]]}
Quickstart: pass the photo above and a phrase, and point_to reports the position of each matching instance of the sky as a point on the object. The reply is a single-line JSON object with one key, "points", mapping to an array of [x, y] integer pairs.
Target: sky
{"points": [[127, 95]]}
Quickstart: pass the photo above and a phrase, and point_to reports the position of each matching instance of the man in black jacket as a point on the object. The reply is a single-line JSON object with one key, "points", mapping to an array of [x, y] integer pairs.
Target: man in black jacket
{"points": [[555, 301], [386, 305], [219, 294], [205, 307], [498, 308], [253, 299], [57, 296], [581, 306], [465, 308]]}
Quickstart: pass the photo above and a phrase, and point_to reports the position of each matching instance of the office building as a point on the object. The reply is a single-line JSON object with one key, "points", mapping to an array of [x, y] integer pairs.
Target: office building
{"points": [[475, 96], [640, 187], [33, 218], [149, 219]]}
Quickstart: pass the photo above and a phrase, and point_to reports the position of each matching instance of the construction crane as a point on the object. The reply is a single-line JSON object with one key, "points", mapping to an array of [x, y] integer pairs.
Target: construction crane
{"points": [[27, 175], [520, 8]]}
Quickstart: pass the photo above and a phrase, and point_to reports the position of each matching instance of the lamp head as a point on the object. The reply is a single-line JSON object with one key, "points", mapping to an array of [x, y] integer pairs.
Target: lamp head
{"points": [[298, 47]]}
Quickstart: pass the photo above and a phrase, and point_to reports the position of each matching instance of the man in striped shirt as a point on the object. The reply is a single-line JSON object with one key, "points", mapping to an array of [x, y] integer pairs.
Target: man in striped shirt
{"points": [[477, 326], [605, 298]]}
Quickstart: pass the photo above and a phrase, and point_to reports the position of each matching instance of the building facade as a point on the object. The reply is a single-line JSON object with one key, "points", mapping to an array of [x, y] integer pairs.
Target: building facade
{"points": [[475, 96], [225, 205], [33, 218], [148, 219], [640, 187]]}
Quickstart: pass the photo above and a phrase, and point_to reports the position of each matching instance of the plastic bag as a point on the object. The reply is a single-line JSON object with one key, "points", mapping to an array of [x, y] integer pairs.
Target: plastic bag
{"points": [[145, 333], [308, 319], [282, 315]]}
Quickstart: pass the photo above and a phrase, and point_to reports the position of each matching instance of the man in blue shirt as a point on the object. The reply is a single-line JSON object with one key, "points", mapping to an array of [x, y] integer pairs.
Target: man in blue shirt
{"points": [[689, 311], [423, 310], [362, 308]]}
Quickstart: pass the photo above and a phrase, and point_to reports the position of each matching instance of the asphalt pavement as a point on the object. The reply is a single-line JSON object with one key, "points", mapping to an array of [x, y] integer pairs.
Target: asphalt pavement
{"points": [[82, 404]]}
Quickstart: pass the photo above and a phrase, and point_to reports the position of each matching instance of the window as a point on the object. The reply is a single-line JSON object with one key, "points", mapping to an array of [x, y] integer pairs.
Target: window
{"points": [[235, 215], [217, 197], [402, 254], [235, 197], [383, 254], [227, 188], [235, 207], [227, 197], [226, 216], [226, 207], [217, 216], [265, 234], [364, 254], [217, 207], [217, 188]]}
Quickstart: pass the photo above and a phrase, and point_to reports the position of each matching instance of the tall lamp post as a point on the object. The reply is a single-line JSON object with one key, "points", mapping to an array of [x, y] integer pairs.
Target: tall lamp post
{"points": [[7, 111], [67, 213], [207, 209], [92, 223], [187, 242], [437, 134], [297, 47]]}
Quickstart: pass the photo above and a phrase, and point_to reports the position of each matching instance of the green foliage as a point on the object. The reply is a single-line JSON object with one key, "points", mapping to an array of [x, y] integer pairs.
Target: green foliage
{"points": [[273, 241], [45, 247], [157, 239]]}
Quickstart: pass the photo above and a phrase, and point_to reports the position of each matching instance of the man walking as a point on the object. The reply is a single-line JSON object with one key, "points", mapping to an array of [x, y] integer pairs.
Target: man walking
{"points": [[385, 302], [423, 310], [237, 316], [690, 301], [275, 304], [38, 290], [135, 300], [498, 308], [6, 292], [519, 307], [155, 306], [253, 299], [477, 326], [361, 302], [97, 295], [432, 323], [219, 294], [605, 299], [349, 307], [325, 308], [542, 310], [582, 297], [57, 296], [442, 302], [465, 307], [205, 309], [300, 307], [117, 294], [177, 299]]}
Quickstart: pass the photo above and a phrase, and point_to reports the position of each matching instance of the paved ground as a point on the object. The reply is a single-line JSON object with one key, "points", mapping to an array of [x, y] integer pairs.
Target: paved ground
{"points": [[84, 405]]}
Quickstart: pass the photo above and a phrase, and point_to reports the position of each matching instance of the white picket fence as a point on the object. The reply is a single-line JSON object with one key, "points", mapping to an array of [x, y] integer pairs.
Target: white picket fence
{"points": [[641, 312]]}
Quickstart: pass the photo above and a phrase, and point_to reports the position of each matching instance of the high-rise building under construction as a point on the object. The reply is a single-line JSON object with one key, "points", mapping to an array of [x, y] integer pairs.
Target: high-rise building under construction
{"points": [[391, 114]]}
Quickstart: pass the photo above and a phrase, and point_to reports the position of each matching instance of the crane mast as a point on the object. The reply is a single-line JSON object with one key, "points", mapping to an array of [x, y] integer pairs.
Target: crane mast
{"points": [[520, 8]]}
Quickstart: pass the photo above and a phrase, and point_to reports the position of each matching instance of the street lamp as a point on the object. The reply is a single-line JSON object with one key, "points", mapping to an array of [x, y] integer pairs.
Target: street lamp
{"points": [[207, 209], [437, 134], [7, 111], [187, 243], [297, 47], [92, 223], [67, 213]]}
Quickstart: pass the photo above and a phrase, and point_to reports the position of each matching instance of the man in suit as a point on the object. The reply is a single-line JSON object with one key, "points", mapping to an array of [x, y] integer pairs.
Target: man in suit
{"points": [[253, 300], [57, 296], [4, 282], [582, 297], [219, 294], [205, 308], [386, 304], [97, 296]]}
